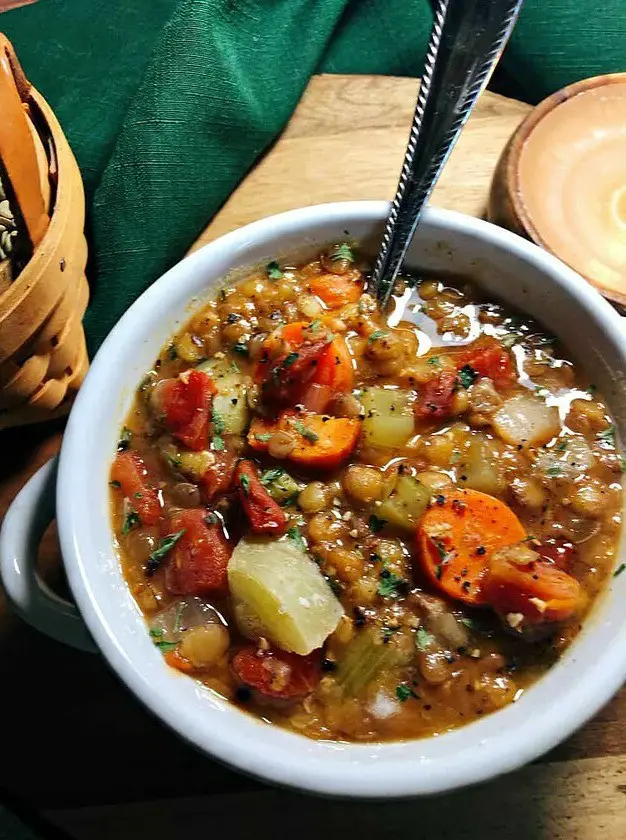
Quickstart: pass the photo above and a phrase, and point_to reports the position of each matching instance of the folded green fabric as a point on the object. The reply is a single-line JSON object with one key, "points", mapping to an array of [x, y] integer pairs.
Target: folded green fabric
{"points": [[168, 103]]}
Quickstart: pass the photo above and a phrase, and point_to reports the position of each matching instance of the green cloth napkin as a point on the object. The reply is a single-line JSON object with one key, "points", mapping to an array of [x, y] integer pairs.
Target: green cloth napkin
{"points": [[168, 103]]}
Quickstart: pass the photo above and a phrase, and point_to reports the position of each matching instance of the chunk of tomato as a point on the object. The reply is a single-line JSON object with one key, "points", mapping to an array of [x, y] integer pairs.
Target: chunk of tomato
{"points": [[130, 471], [186, 405], [435, 400], [276, 674], [263, 513], [490, 360], [197, 564]]}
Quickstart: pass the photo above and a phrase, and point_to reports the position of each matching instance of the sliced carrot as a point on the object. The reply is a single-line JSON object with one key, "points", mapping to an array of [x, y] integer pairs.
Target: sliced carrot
{"points": [[321, 442], [175, 660], [336, 290], [131, 475], [336, 368], [538, 590], [457, 538]]}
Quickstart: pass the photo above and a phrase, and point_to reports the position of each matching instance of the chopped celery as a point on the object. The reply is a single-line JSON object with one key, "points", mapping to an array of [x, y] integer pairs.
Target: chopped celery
{"points": [[363, 660], [280, 485], [406, 504]]}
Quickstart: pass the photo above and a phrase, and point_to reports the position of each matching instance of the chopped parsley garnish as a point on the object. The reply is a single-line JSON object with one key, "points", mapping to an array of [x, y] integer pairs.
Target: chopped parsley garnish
{"points": [[263, 438], [211, 519], [468, 622], [404, 692], [163, 549], [342, 252], [592, 389], [554, 472], [115, 484], [387, 632], [217, 443], [307, 433], [607, 436], [562, 446], [290, 359], [271, 475], [434, 361], [241, 347], [125, 438], [622, 462], [467, 375], [315, 325], [423, 639], [156, 632], [376, 335], [295, 534], [273, 270], [376, 524], [389, 584], [218, 422], [245, 484], [174, 462], [166, 647], [132, 519], [619, 570]]}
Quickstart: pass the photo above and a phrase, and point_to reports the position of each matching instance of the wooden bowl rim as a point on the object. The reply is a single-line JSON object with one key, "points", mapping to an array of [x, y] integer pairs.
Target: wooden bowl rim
{"points": [[516, 145]]}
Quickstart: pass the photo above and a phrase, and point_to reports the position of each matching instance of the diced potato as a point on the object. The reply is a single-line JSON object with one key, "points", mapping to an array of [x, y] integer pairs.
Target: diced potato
{"points": [[283, 591], [389, 418], [406, 504], [481, 466], [230, 402], [526, 420]]}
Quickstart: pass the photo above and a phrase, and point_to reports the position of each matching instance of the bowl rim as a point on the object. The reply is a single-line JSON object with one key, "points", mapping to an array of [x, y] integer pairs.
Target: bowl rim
{"points": [[360, 770]]}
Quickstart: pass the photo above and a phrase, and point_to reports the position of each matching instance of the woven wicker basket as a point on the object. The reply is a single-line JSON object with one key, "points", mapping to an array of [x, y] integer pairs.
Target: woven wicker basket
{"points": [[43, 357]]}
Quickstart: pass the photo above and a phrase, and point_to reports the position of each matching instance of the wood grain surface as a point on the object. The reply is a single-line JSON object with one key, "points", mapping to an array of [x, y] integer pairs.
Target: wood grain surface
{"points": [[77, 745]]}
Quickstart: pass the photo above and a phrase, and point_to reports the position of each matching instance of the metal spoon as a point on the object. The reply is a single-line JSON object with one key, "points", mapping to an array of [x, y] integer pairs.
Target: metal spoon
{"points": [[466, 41]]}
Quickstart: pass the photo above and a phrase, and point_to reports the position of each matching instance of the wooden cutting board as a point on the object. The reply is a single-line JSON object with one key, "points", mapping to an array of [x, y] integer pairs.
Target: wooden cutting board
{"points": [[346, 141]]}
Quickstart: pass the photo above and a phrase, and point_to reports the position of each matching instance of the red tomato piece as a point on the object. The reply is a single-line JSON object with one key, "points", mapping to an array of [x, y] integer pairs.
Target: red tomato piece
{"points": [[186, 403], [492, 361], [197, 563], [435, 399], [275, 674], [132, 474], [264, 514], [219, 477], [290, 373]]}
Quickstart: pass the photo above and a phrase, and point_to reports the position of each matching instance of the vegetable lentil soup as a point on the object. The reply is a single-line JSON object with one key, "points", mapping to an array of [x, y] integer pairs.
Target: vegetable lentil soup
{"points": [[361, 525]]}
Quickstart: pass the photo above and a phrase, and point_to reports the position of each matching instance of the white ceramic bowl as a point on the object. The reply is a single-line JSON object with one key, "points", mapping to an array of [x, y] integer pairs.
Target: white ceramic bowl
{"points": [[585, 678]]}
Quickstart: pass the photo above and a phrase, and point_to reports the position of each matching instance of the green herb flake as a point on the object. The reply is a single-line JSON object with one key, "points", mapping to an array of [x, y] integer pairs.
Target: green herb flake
{"points": [[174, 462], [342, 252], [166, 647], [315, 325], [467, 376], [622, 462], [290, 359], [245, 484], [218, 423], [306, 433], [376, 524], [607, 436], [172, 353], [273, 270], [404, 692], [389, 584], [434, 361], [156, 632], [263, 438], [562, 446], [554, 472], [115, 484], [376, 335], [423, 639], [619, 570], [165, 546], [271, 475], [295, 534], [125, 438], [217, 443], [132, 519], [592, 389]]}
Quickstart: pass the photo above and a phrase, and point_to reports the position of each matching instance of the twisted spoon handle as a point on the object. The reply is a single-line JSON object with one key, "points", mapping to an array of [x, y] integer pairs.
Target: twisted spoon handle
{"points": [[466, 41]]}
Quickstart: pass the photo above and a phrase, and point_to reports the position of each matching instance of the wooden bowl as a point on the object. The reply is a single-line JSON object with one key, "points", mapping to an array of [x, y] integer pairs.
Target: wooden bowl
{"points": [[561, 181], [43, 357]]}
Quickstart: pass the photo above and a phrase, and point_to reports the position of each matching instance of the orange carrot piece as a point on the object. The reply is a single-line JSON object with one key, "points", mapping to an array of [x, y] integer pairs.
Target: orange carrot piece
{"points": [[336, 368], [539, 590], [457, 538], [336, 290], [322, 442], [175, 660]]}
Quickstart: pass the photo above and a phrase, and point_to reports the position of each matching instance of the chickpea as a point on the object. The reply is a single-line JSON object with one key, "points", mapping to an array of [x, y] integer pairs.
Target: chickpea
{"points": [[437, 482], [280, 444], [457, 323], [204, 646], [315, 497], [324, 526], [428, 289], [589, 500], [483, 397], [364, 591], [310, 306], [348, 565], [433, 667], [586, 416], [528, 492], [363, 484]]}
